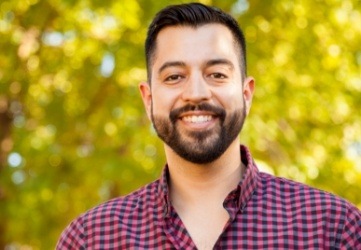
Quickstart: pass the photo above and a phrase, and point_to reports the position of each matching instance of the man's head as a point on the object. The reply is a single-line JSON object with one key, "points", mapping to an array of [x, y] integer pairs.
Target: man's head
{"points": [[197, 94], [193, 15]]}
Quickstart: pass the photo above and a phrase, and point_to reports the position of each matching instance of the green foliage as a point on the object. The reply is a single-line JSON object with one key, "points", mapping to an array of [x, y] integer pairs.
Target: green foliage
{"points": [[306, 58], [73, 131]]}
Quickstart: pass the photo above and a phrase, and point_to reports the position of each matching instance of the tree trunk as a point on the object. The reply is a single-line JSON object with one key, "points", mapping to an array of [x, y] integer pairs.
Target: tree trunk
{"points": [[5, 147]]}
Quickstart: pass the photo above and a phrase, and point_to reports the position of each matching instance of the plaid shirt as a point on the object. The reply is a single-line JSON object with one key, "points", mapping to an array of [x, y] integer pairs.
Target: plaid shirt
{"points": [[265, 212]]}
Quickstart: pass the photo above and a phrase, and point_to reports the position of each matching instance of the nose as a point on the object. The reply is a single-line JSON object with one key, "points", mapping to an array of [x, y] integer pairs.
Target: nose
{"points": [[196, 89]]}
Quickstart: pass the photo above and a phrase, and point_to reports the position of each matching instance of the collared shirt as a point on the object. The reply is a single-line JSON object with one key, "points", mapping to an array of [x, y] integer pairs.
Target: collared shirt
{"points": [[265, 212]]}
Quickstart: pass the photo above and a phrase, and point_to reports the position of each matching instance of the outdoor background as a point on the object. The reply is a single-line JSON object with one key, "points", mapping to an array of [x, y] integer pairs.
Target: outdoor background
{"points": [[73, 131]]}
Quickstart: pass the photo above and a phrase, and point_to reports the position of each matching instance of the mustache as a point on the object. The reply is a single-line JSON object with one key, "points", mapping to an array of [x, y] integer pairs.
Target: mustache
{"points": [[218, 111]]}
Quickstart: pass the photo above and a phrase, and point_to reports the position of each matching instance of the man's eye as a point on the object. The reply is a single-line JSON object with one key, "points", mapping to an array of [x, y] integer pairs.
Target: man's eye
{"points": [[173, 78], [218, 76]]}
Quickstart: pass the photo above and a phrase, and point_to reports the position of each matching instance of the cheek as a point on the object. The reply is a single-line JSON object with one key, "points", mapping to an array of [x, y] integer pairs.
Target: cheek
{"points": [[163, 102], [230, 98]]}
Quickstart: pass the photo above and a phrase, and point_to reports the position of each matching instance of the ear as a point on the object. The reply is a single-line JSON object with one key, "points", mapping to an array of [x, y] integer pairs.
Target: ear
{"points": [[248, 90], [146, 94]]}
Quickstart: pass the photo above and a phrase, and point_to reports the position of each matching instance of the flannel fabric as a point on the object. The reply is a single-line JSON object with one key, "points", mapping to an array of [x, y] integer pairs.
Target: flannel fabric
{"points": [[265, 212]]}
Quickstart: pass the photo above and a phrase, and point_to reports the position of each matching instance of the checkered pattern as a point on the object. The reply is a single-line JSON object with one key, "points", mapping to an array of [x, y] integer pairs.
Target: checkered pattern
{"points": [[266, 212]]}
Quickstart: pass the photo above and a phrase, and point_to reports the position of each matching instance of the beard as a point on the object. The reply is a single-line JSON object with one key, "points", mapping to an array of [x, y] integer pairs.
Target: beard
{"points": [[202, 146]]}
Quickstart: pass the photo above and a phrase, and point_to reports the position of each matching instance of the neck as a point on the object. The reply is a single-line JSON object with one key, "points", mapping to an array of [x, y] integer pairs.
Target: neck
{"points": [[204, 184]]}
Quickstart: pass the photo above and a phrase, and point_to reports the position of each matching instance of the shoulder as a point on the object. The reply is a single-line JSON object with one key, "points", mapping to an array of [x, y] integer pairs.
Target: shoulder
{"points": [[106, 217], [120, 206], [301, 197], [311, 208], [299, 193]]}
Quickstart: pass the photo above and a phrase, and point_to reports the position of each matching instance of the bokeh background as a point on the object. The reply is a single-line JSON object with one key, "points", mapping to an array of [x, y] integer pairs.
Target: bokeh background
{"points": [[73, 131]]}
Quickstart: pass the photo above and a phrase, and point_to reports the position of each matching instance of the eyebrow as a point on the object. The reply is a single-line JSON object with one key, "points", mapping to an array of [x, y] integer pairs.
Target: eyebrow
{"points": [[171, 64], [208, 64], [220, 61]]}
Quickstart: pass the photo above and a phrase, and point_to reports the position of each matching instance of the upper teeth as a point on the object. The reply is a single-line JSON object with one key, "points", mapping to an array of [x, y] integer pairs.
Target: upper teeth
{"points": [[197, 119]]}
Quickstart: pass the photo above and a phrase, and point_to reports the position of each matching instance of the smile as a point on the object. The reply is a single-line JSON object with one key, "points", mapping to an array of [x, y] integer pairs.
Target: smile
{"points": [[197, 118]]}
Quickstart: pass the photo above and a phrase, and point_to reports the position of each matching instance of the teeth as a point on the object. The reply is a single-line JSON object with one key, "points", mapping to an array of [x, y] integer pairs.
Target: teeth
{"points": [[197, 119]]}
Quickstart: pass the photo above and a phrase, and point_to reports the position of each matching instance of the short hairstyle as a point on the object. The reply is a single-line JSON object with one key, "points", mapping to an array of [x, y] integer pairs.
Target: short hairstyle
{"points": [[194, 15]]}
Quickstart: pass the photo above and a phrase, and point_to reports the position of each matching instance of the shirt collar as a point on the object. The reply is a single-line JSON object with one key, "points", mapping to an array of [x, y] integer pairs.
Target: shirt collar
{"points": [[250, 180], [235, 201], [163, 191]]}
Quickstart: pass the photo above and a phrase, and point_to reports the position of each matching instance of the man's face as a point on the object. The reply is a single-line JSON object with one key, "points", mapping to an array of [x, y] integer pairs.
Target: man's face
{"points": [[197, 101]]}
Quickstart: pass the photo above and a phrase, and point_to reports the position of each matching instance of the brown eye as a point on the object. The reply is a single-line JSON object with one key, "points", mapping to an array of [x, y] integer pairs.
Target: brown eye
{"points": [[173, 78], [218, 76]]}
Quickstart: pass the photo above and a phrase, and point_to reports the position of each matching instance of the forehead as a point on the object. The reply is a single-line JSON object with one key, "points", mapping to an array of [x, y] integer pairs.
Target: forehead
{"points": [[195, 44]]}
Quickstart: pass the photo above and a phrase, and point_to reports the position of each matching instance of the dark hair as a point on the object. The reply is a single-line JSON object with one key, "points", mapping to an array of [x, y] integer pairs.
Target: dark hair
{"points": [[192, 14]]}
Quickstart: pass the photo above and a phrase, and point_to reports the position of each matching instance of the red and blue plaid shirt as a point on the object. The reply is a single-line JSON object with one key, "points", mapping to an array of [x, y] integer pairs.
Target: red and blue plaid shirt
{"points": [[265, 212]]}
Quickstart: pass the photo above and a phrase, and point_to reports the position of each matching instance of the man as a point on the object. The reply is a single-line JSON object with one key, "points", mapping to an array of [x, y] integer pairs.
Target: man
{"points": [[211, 195]]}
